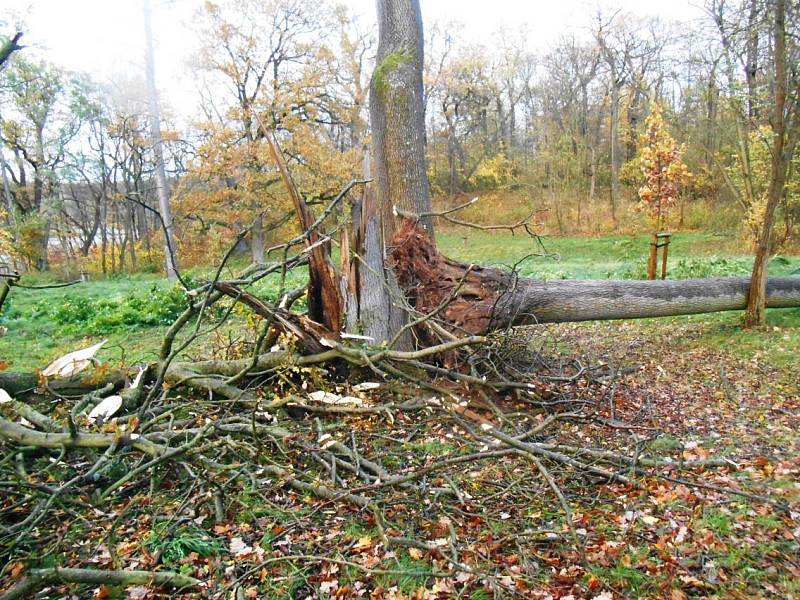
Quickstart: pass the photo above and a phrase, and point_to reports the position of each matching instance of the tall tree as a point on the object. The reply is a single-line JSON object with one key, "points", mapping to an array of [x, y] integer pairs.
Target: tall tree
{"points": [[372, 299], [41, 115], [763, 96], [785, 125], [271, 71], [627, 48], [170, 249]]}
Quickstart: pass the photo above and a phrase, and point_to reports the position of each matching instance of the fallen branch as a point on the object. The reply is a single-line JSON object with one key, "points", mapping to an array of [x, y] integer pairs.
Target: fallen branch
{"points": [[38, 578]]}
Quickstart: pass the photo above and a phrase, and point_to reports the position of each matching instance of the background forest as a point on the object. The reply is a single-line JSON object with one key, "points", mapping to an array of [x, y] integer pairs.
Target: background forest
{"points": [[562, 130]]}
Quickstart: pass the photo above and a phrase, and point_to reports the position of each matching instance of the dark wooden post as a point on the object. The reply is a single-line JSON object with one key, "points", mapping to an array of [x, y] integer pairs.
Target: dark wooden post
{"points": [[665, 244]]}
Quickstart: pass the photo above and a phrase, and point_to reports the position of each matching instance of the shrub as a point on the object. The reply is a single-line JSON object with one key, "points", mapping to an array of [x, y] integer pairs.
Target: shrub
{"points": [[98, 316]]}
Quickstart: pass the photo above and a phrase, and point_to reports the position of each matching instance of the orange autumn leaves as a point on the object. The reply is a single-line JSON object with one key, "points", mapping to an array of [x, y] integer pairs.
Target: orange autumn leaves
{"points": [[664, 171]]}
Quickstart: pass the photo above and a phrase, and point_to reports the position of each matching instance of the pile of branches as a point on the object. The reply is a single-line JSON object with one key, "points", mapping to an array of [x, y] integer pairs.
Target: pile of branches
{"points": [[80, 444], [284, 422]]}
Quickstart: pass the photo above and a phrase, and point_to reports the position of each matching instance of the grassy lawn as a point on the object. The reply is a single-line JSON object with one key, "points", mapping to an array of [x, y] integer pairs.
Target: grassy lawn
{"points": [[612, 257], [134, 311]]}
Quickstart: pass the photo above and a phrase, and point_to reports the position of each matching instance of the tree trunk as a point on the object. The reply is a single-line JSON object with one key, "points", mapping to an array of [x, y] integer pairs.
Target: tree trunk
{"points": [[616, 152], [170, 251], [42, 262], [781, 158], [397, 113], [257, 240], [398, 156], [479, 300], [751, 59]]}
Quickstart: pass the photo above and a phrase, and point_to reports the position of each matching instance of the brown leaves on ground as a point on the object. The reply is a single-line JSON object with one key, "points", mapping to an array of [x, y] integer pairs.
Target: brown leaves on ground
{"points": [[681, 535]]}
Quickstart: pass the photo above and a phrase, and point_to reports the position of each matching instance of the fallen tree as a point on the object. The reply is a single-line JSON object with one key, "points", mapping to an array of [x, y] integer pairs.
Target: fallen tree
{"points": [[480, 299]]}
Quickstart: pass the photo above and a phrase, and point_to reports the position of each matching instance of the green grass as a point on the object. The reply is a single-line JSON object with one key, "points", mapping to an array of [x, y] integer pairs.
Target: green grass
{"points": [[133, 312], [611, 257], [181, 543], [717, 520], [409, 582], [42, 324]]}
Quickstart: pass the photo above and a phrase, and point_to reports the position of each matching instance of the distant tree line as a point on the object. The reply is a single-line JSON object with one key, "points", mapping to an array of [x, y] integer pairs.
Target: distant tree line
{"points": [[563, 127]]}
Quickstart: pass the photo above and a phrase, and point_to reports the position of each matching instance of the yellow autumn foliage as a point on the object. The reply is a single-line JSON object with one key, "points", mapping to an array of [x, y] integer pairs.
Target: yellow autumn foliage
{"points": [[759, 144]]}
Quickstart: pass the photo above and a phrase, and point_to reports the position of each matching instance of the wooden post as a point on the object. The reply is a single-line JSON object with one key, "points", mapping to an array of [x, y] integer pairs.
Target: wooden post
{"points": [[651, 262], [4, 289], [664, 254], [7, 279], [660, 240]]}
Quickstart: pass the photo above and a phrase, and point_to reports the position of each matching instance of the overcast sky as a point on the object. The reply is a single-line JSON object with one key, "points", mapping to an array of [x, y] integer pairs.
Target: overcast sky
{"points": [[105, 37]]}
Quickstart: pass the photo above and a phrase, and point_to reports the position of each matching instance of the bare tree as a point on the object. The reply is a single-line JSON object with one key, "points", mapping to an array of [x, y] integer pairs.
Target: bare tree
{"points": [[170, 249], [626, 54]]}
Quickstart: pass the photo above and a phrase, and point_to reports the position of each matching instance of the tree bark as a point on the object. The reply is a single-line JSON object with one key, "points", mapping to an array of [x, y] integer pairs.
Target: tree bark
{"points": [[39, 578], [616, 151], [397, 113], [257, 240], [21, 384]]}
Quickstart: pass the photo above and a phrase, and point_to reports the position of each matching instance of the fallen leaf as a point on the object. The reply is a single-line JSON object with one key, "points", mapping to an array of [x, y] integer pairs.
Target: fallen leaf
{"points": [[649, 519], [363, 543], [102, 592], [239, 549], [138, 592]]}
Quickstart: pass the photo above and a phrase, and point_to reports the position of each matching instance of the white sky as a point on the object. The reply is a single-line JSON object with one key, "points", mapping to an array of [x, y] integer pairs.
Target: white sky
{"points": [[105, 37]]}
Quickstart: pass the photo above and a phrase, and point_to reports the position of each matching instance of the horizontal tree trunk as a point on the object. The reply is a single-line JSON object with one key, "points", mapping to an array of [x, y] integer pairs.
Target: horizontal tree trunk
{"points": [[471, 300], [537, 301], [38, 578], [22, 384]]}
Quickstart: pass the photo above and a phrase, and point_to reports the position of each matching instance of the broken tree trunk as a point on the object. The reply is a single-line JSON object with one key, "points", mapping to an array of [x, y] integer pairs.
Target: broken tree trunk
{"points": [[474, 300], [397, 112], [324, 299], [21, 384]]}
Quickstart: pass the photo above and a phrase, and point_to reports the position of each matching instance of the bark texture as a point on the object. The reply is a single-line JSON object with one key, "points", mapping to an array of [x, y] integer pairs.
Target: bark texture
{"points": [[397, 111], [22, 384], [782, 151], [474, 300], [325, 303], [374, 303]]}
